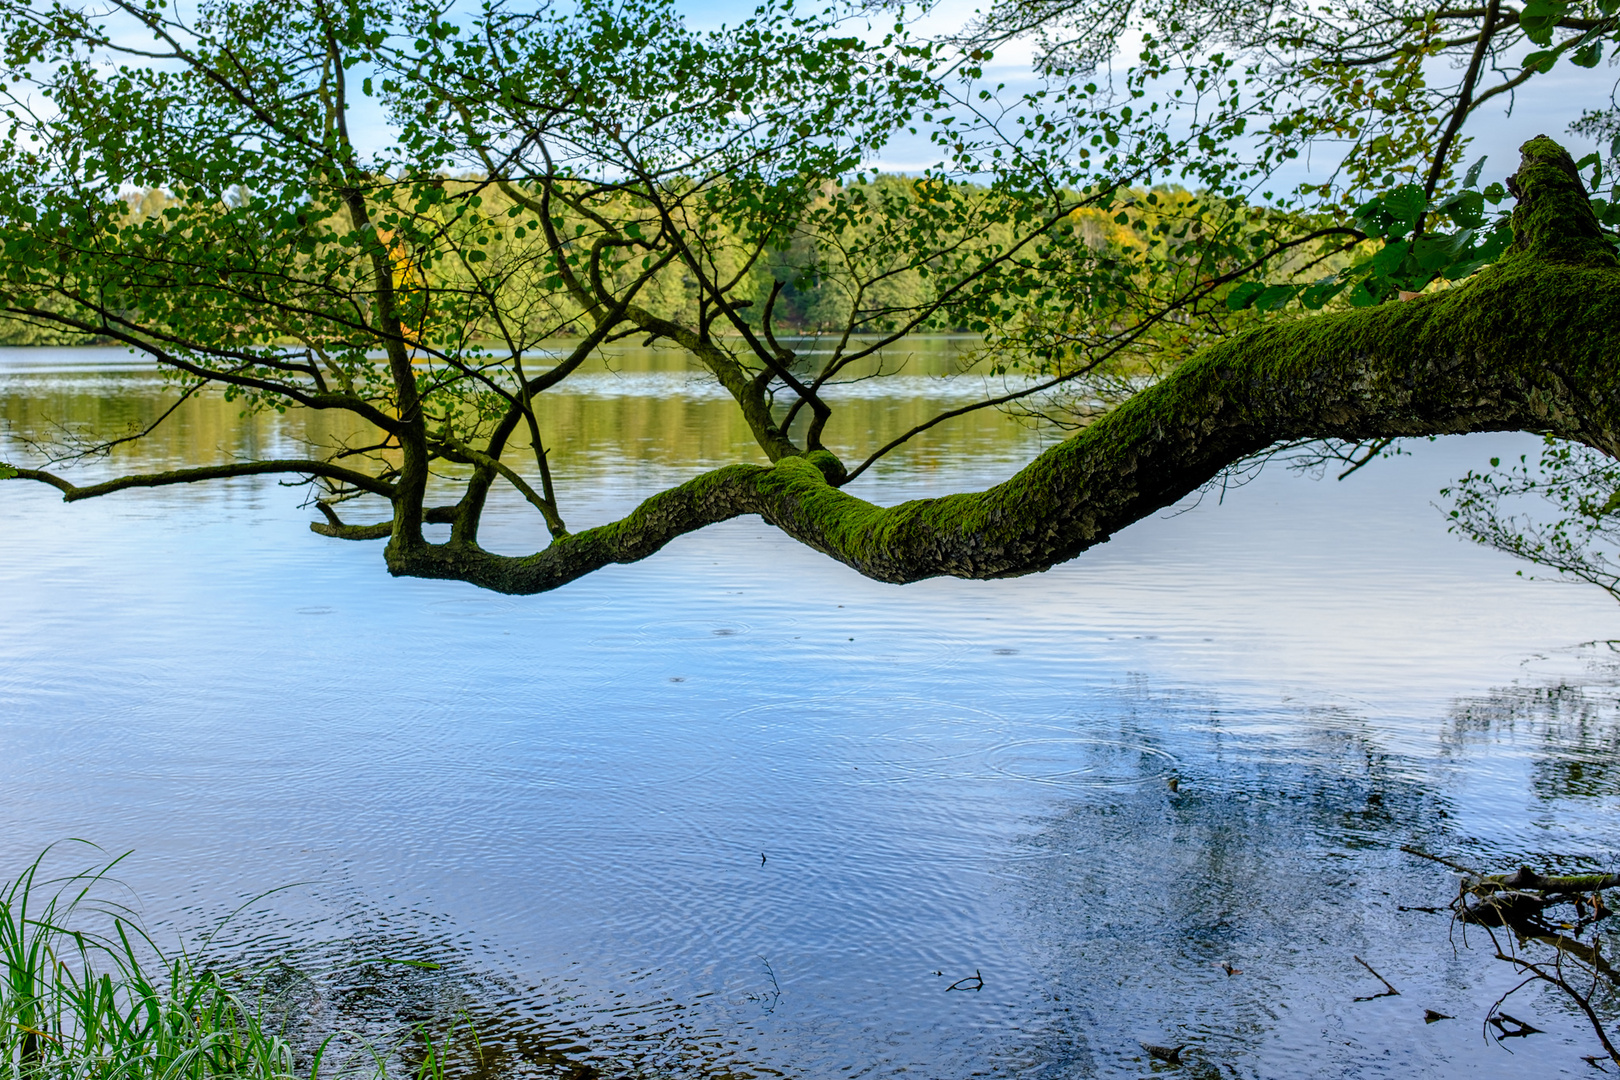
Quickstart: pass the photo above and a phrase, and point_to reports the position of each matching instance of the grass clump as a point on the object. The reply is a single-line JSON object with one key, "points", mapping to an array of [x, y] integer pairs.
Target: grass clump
{"points": [[87, 994]]}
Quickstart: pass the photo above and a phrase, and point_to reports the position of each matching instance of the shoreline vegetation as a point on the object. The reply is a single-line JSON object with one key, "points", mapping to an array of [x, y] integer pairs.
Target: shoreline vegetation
{"points": [[86, 993]]}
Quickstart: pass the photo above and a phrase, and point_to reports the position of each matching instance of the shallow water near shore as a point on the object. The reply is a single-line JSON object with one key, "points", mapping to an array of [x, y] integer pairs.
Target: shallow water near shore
{"points": [[736, 810]]}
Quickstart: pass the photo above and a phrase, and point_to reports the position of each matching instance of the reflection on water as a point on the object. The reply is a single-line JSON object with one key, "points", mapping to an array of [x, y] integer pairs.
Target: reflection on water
{"points": [[737, 810], [1549, 763]]}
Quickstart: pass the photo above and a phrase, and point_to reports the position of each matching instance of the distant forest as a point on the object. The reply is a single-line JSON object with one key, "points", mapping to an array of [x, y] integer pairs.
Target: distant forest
{"points": [[817, 294]]}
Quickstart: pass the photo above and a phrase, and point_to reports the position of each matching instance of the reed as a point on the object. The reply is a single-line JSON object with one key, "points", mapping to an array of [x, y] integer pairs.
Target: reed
{"points": [[87, 994]]}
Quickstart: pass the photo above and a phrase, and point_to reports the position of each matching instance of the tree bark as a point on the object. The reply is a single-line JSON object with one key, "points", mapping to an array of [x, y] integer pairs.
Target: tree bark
{"points": [[1531, 343]]}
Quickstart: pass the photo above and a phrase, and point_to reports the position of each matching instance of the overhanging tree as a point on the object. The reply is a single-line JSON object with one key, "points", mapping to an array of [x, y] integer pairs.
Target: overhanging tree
{"points": [[601, 173], [1388, 90]]}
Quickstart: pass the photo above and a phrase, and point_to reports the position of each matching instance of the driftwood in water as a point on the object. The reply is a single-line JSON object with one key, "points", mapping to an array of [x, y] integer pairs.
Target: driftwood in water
{"points": [[1518, 899], [1526, 878]]}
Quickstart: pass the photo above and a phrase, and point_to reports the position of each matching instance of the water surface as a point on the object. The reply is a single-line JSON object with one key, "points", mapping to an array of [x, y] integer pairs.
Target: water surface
{"points": [[737, 809]]}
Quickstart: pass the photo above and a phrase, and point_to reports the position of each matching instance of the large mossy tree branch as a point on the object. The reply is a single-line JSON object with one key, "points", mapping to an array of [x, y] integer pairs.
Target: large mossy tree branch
{"points": [[1532, 343]]}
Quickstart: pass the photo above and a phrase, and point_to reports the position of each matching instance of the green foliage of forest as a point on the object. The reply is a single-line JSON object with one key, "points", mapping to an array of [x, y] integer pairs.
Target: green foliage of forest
{"points": [[826, 279]]}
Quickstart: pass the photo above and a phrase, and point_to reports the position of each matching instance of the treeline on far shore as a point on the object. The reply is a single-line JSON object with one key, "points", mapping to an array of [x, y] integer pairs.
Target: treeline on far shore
{"points": [[814, 292]]}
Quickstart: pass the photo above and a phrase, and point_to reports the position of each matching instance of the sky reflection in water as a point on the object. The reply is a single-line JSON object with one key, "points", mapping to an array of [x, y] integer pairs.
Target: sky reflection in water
{"points": [[566, 799]]}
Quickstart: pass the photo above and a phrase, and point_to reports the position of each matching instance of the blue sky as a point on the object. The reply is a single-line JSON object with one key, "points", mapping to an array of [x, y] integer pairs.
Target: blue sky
{"points": [[1546, 106]]}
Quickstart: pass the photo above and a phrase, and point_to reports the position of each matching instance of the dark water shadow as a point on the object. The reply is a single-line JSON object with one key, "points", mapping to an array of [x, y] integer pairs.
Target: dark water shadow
{"points": [[399, 999]]}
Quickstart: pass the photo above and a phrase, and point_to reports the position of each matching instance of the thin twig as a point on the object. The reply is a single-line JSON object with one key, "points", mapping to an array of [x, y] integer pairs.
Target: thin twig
{"points": [[1459, 867], [1389, 991]]}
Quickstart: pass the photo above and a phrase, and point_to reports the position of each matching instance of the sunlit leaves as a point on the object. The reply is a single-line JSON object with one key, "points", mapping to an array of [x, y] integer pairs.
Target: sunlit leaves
{"points": [[1459, 237]]}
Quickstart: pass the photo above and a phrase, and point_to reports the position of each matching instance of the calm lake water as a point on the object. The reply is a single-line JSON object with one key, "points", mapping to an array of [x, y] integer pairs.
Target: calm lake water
{"points": [[737, 811]]}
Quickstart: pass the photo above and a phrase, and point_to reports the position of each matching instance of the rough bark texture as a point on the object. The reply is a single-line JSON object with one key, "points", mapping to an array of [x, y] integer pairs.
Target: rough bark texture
{"points": [[1531, 343]]}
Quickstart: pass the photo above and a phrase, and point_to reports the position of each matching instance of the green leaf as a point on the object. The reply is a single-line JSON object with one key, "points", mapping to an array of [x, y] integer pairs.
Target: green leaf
{"points": [[1588, 55], [7, 472], [1405, 203], [1596, 162], [1495, 243], [1393, 214], [1368, 292], [1389, 260], [1243, 295], [1435, 251], [1275, 297], [1466, 208], [1541, 60], [1474, 170], [1540, 18], [1315, 296], [1484, 252]]}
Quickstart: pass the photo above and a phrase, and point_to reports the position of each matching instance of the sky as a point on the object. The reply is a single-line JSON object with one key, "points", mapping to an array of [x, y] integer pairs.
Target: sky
{"points": [[1546, 105]]}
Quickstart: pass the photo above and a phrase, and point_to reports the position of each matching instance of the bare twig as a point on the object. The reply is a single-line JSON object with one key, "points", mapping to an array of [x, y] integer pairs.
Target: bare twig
{"points": [[1389, 991], [1442, 860]]}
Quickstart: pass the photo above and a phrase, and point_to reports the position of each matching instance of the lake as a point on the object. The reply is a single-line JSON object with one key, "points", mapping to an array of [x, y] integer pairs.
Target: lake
{"points": [[737, 811]]}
